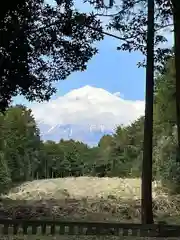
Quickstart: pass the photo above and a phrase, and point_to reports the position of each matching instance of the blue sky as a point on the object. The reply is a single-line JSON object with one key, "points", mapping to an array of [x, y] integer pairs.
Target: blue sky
{"points": [[113, 70], [110, 69]]}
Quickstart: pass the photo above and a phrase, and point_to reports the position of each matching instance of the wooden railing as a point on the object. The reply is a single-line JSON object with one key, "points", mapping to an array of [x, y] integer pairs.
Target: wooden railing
{"points": [[42, 227]]}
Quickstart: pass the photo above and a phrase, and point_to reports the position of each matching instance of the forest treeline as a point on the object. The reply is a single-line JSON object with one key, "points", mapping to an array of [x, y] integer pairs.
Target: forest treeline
{"points": [[24, 156]]}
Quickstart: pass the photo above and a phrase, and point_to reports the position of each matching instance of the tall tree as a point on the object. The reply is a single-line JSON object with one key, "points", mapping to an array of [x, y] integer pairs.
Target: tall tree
{"points": [[130, 21], [146, 196], [166, 167], [138, 31], [176, 18], [21, 142], [41, 44], [165, 100]]}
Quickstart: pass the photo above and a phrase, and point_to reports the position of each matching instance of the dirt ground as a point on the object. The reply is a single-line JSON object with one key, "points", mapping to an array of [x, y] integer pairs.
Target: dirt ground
{"points": [[85, 199]]}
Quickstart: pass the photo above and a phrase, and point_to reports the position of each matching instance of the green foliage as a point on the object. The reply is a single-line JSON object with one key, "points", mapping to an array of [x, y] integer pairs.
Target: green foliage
{"points": [[166, 166], [166, 159], [164, 106], [5, 178], [46, 43], [129, 20], [25, 157], [21, 142]]}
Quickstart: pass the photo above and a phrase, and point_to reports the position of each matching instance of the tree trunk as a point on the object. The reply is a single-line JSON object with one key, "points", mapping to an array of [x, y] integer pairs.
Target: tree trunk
{"points": [[176, 16], [146, 192]]}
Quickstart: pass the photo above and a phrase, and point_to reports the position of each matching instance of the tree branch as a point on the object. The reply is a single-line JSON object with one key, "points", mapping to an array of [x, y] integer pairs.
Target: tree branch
{"points": [[106, 15], [165, 26], [106, 33]]}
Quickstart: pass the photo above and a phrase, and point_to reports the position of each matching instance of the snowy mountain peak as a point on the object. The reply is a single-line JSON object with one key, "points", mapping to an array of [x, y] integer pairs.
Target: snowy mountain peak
{"points": [[90, 93], [85, 111]]}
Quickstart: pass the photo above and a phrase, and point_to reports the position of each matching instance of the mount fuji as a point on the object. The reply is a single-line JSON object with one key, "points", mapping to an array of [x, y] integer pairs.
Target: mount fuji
{"points": [[85, 114]]}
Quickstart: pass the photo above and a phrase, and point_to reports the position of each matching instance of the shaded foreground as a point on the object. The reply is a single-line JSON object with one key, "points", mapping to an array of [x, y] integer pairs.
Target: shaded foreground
{"points": [[81, 228], [86, 199]]}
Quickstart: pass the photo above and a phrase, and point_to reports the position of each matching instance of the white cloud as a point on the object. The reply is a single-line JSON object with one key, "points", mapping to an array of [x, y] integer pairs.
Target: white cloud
{"points": [[89, 108]]}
